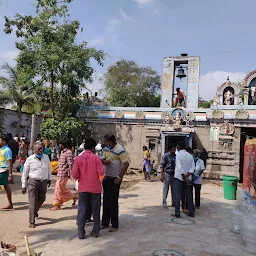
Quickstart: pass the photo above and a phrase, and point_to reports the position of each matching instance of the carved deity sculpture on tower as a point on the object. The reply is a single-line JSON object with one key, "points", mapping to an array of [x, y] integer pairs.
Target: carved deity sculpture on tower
{"points": [[252, 96], [228, 98], [178, 119]]}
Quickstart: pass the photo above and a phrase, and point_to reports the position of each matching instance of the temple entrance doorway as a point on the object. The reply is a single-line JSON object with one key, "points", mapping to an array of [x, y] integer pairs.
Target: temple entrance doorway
{"points": [[174, 138], [245, 133]]}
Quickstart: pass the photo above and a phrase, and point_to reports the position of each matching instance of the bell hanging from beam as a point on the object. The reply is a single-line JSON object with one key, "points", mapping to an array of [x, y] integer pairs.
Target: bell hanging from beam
{"points": [[181, 73]]}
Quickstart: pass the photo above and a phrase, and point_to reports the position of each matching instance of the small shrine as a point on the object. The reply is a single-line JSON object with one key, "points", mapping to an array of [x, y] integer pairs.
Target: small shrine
{"points": [[228, 94]]}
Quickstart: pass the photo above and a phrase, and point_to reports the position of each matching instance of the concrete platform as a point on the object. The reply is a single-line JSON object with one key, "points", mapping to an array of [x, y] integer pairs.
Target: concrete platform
{"points": [[144, 226]]}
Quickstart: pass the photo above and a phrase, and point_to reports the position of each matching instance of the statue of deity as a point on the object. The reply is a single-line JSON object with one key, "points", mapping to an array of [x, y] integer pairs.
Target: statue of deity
{"points": [[228, 98], [253, 95], [178, 119], [215, 101]]}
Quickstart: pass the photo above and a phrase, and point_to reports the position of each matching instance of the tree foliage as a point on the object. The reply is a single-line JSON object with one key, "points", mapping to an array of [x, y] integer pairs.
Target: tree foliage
{"points": [[16, 93], [1, 121], [65, 105], [67, 129], [129, 85], [204, 104], [49, 52]]}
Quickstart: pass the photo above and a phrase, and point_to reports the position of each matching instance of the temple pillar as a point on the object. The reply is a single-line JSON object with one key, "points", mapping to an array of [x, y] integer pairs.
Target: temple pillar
{"points": [[246, 96]]}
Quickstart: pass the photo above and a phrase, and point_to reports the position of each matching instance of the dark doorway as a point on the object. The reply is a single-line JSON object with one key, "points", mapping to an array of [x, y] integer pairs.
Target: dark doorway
{"points": [[245, 133], [174, 140]]}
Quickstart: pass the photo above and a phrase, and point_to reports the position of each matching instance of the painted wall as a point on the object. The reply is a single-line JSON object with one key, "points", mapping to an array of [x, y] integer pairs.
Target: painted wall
{"points": [[133, 138], [11, 116]]}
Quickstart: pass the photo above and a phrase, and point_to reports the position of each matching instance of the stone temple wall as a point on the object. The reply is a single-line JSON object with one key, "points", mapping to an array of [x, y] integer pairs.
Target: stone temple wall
{"points": [[222, 161], [133, 137]]}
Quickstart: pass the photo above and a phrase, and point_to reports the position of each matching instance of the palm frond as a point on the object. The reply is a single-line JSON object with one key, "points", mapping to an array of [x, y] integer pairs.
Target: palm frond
{"points": [[5, 82], [4, 98], [11, 71], [14, 92]]}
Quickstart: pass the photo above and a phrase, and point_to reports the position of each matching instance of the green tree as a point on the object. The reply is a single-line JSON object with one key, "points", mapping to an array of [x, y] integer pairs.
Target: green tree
{"points": [[129, 85], [16, 93], [4, 98], [1, 120], [204, 104], [65, 105], [49, 52], [67, 129]]}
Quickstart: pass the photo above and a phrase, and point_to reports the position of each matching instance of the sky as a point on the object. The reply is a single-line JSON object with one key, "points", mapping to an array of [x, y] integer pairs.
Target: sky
{"points": [[221, 32]]}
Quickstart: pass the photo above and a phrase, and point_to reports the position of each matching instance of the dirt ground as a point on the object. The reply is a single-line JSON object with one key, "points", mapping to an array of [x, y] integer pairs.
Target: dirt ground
{"points": [[144, 225]]}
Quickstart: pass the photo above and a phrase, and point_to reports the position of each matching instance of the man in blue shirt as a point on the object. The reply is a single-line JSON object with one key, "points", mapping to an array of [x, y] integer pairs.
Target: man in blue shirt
{"points": [[6, 169]]}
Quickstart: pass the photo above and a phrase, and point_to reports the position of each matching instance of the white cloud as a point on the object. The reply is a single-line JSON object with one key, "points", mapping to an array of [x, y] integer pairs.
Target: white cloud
{"points": [[142, 2], [96, 41], [125, 16], [209, 82], [112, 25]]}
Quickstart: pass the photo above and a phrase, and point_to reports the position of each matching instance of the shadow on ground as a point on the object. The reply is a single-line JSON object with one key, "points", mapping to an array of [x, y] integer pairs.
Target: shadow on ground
{"points": [[148, 228]]}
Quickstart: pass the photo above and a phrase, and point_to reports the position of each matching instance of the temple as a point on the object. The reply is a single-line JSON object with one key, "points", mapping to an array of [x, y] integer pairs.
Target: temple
{"points": [[219, 132]]}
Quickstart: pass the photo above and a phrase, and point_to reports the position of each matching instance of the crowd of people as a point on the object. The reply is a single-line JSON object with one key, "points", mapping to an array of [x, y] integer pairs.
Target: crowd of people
{"points": [[181, 171], [90, 170]]}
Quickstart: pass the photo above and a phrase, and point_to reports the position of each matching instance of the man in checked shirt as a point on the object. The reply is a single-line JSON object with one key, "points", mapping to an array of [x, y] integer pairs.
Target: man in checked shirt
{"points": [[62, 193]]}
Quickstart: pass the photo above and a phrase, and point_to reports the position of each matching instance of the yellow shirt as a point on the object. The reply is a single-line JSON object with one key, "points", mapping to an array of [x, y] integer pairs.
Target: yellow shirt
{"points": [[146, 155]]}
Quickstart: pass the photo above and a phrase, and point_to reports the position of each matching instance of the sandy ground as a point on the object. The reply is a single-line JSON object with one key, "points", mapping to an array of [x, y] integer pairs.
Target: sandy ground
{"points": [[144, 226]]}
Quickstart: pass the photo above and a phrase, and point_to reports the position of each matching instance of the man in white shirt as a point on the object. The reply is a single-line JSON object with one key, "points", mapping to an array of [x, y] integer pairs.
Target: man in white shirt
{"points": [[36, 177], [185, 167], [197, 177]]}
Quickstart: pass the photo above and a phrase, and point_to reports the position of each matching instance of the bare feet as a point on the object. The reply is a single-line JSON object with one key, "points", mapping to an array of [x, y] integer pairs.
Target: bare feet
{"points": [[32, 226], [55, 208], [7, 208]]}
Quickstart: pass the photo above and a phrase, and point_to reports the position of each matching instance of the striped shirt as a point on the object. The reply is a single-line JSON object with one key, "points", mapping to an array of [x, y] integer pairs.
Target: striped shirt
{"points": [[118, 157], [66, 159]]}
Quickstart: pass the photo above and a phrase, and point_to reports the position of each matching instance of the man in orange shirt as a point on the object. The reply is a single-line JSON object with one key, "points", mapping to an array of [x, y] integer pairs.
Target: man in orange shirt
{"points": [[180, 98]]}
